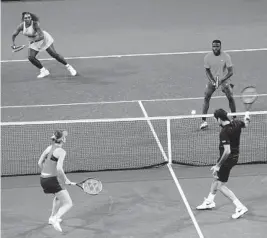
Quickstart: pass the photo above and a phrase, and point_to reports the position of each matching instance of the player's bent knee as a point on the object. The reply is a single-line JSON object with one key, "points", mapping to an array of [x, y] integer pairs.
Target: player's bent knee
{"points": [[55, 55], [220, 185], [69, 203], [31, 58]]}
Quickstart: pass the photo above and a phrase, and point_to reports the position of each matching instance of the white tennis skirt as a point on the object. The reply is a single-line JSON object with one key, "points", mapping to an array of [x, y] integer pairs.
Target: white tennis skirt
{"points": [[43, 44]]}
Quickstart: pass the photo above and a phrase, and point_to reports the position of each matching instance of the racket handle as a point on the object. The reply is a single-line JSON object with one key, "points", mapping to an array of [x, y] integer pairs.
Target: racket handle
{"points": [[217, 81], [247, 117], [71, 183]]}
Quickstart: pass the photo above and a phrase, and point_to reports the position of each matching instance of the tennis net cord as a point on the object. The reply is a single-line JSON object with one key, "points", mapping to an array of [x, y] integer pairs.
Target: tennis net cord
{"points": [[127, 143]]}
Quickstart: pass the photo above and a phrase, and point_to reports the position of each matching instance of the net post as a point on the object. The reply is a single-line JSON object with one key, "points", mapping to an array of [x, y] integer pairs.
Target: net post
{"points": [[169, 141]]}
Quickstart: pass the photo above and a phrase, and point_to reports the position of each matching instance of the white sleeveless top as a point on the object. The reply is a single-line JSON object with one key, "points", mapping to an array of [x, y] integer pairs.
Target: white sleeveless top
{"points": [[41, 45], [29, 31]]}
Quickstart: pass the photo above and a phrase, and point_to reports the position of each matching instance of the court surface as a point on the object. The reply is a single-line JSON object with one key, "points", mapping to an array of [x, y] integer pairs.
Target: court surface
{"points": [[143, 203]]}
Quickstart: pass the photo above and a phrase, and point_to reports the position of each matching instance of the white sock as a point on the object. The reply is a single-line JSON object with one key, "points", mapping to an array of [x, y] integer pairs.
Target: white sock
{"points": [[211, 197], [238, 204], [43, 69], [67, 65]]}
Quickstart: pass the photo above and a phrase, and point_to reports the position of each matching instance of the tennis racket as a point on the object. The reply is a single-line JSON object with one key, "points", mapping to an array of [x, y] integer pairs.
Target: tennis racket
{"points": [[17, 48], [217, 81], [91, 186], [249, 95]]}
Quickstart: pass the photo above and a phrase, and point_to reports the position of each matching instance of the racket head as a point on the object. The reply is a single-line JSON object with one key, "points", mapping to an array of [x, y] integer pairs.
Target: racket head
{"points": [[91, 186], [18, 48], [249, 95]]}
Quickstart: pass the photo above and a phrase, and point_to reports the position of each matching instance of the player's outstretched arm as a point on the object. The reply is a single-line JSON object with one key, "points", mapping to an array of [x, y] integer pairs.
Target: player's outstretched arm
{"points": [[210, 76], [15, 33], [229, 74]]}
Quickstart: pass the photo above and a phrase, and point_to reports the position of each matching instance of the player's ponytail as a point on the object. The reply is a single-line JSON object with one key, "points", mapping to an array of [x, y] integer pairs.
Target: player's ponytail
{"points": [[59, 136]]}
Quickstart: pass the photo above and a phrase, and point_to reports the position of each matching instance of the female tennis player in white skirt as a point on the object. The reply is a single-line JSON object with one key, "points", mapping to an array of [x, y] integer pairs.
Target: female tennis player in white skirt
{"points": [[39, 41]]}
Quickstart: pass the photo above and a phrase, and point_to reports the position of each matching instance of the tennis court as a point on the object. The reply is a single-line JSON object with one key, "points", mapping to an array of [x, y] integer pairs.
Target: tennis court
{"points": [[131, 70]]}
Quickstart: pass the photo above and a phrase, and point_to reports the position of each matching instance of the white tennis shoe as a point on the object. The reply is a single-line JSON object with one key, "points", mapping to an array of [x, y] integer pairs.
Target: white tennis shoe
{"points": [[206, 205], [50, 220], [55, 223], [43, 73], [239, 212], [72, 71], [203, 125]]}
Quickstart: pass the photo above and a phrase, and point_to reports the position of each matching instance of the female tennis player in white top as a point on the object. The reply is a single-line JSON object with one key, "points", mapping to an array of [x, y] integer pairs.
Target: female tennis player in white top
{"points": [[39, 41], [51, 164]]}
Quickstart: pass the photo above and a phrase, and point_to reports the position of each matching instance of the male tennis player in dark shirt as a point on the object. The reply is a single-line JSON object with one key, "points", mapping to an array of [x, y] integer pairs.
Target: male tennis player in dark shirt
{"points": [[229, 152]]}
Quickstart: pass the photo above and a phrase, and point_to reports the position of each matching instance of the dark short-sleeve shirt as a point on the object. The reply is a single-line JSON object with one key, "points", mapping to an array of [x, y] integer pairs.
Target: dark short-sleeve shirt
{"points": [[230, 135]]}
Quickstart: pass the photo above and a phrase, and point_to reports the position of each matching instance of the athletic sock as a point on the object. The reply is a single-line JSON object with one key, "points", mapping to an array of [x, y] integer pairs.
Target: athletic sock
{"points": [[211, 197], [238, 204]]}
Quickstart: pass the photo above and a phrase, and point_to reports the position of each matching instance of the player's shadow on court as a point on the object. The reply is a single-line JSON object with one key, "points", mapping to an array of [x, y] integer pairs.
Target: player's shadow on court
{"points": [[79, 80], [104, 76], [95, 75], [84, 79], [37, 230]]}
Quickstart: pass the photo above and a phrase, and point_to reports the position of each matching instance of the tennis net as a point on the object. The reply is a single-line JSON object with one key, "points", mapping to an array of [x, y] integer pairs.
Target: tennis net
{"points": [[129, 143]]}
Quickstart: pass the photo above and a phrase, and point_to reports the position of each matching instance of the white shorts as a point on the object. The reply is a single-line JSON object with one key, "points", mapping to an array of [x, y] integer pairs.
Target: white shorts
{"points": [[43, 44]]}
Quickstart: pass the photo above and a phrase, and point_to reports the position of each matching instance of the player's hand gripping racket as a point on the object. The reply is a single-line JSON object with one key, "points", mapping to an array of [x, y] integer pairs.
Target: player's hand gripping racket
{"points": [[216, 83], [91, 186], [249, 95], [17, 48]]}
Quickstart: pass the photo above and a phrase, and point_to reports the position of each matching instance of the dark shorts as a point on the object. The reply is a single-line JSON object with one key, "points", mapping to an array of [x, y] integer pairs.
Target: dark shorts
{"points": [[224, 172], [50, 185], [226, 88]]}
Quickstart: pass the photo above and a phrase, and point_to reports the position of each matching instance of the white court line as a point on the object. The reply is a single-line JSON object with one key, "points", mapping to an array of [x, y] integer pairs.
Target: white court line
{"points": [[189, 210], [118, 102], [138, 55]]}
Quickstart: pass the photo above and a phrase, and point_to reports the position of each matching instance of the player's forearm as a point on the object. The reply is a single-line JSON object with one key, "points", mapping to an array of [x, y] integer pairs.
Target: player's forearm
{"points": [[13, 38], [227, 76], [223, 158], [62, 174], [209, 76], [41, 161], [40, 165]]}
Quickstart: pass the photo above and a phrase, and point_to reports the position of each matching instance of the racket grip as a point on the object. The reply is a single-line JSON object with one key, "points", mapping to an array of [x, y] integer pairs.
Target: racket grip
{"points": [[217, 81], [71, 183], [247, 117]]}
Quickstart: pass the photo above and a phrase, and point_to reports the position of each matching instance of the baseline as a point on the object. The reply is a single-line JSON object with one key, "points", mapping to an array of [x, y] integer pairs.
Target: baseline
{"points": [[139, 55]]}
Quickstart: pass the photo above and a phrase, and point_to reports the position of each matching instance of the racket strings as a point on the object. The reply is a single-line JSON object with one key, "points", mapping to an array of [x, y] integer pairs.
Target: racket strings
{"points": [[92, 186], [249, 95]]}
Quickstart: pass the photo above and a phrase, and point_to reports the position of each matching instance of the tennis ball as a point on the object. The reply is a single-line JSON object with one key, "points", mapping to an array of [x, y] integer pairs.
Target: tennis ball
{"points": [[193, 112]]}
